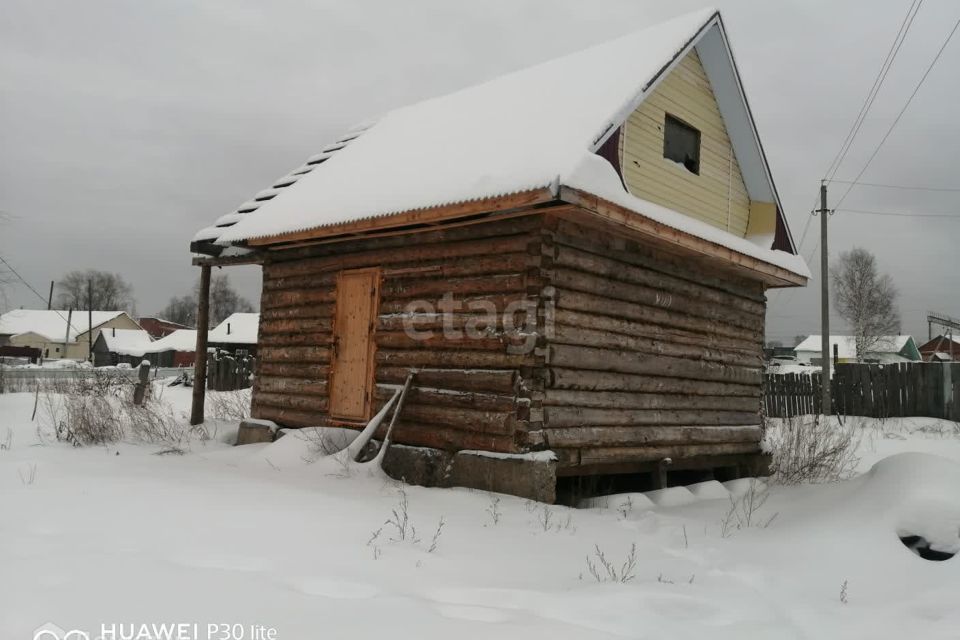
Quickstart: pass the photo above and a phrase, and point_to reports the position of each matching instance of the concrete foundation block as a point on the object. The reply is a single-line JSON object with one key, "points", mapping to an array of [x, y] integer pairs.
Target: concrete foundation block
{"points": [[255, 431], [532, 476]]}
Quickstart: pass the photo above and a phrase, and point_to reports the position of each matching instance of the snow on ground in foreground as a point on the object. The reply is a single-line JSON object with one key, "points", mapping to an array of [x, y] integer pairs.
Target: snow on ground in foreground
{"points": [[261, 535]]}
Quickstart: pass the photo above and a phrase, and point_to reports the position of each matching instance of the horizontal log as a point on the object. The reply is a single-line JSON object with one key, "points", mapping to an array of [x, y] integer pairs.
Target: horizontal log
{"points": [[301, 386], [294, 325], [557, 416], [627, 400], [297, 298], [476, 322], [306, 311], [612, 268], [293, 370], [438, 340], [644, 254], [588, 302], [474, 421], [407, 251], [565, 334], [290, 417], [609, 324], [613, 455], [641, 295], [325, 280], [579, 379], [296, 339], [452, 359], [489, 380], [420, 435], [286, 399], [432, 397], [574, 357], [435, 288], [571, 437], [476, 303], [295, 354]]}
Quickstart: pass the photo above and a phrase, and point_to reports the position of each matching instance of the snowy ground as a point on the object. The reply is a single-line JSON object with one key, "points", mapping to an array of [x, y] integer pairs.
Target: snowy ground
{"points": [[277, 535]]}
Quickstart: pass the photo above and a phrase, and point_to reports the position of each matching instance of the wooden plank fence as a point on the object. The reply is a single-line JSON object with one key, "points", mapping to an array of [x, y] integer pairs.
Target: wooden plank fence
{"points": [[877, 391], [228, 372]]}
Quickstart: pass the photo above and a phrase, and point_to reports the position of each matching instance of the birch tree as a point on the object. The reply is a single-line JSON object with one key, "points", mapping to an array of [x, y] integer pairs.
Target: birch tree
{"points": [[865, 298]]}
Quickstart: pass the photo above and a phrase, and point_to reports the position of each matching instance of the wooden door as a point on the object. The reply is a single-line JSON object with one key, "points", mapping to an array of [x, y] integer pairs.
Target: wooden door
{"points": [[351, 383]]}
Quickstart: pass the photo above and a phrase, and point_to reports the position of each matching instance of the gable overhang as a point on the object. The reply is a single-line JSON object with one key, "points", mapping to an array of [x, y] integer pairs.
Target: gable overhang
{"points": [[713, 47]]}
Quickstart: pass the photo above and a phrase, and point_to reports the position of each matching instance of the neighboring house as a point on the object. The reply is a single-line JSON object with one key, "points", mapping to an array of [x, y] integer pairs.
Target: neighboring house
{"points": [[237, 332], [115, 346], [573, 258], [158, 327], [173, 350], [940, 349], [46, 330], [888, 350]]}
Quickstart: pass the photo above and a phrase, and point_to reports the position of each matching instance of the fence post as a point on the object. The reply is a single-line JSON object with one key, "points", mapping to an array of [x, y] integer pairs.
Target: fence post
{"points": [[140, 391]]}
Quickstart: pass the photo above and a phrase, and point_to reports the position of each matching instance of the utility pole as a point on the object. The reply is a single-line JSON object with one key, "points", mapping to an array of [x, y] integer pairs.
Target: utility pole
{"points": [[66, 338], [825, 406], [50, 297]]}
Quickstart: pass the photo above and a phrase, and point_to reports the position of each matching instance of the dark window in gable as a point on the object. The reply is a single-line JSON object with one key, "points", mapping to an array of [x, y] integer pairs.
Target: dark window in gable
{"points": [[681, 143]]}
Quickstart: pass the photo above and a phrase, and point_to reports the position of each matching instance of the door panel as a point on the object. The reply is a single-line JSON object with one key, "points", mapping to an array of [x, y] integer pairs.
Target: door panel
{"points": [[351, 384]]}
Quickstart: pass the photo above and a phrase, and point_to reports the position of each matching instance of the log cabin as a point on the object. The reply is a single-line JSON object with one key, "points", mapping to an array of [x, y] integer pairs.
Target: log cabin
{"points": [[573, 258]]}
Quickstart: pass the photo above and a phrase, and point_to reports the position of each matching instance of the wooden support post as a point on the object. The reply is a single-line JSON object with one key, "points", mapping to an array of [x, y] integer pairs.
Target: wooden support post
{"points": [[90, 321], [200, 355]]}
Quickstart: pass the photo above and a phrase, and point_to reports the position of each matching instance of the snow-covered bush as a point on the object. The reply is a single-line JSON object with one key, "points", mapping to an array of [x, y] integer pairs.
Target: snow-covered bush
{"points": [[812, 449], [99, 409], [233, 406]]}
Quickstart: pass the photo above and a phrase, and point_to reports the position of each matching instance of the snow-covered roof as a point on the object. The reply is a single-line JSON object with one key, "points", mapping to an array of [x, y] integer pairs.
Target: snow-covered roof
{"points": [[128, 342], [179, 340], [238, 328], [847, 346], [52, 324], [530, 130]]}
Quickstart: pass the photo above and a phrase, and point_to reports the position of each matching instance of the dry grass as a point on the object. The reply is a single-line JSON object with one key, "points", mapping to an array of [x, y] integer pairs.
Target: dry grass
{"points": [[811, 449]]}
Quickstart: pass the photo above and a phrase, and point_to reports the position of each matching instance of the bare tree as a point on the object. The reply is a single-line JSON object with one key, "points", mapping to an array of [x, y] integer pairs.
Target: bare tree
{"points": [[182, 310], [105, 291], [866, 299], [224, 299]]}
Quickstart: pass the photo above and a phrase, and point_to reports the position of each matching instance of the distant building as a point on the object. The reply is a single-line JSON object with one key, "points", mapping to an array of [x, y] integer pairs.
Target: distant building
{"points": [[114, 346], [238, 331], [888, 350], [158, 327], [941, 349], [173, 350], [46, 330]]}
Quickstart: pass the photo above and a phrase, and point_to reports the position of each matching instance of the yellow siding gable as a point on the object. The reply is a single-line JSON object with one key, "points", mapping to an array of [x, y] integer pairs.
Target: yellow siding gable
{"points": [[717, 195]]}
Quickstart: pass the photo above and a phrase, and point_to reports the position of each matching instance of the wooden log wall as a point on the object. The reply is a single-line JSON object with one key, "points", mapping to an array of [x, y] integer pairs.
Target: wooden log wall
{"points": [[650, 355], [470, 392]]}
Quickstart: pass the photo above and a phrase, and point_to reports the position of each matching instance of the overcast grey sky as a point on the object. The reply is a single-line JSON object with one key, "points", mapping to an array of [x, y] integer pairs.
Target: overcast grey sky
{"points": [[125, 126]]}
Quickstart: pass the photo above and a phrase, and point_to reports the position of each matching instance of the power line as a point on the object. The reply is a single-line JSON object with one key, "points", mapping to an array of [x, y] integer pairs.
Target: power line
{"points": [[875, 89], [901, 214], [902, 111], [895, 186], [37, 293]]}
